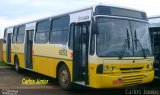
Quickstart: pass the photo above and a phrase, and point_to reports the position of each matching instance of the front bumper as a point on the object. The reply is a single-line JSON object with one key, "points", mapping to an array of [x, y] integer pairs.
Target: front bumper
{"points": [[123, 80]]}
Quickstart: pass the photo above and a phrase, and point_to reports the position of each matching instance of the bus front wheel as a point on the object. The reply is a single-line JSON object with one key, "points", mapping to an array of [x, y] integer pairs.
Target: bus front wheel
{"points": [[64, 77]]}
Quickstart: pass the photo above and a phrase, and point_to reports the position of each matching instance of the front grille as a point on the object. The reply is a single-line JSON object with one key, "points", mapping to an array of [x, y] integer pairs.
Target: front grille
{"points": [[132, 80], [131, 70]]}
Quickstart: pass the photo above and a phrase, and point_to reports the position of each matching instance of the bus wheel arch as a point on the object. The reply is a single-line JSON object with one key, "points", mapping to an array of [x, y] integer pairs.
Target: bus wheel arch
{"points": [[63, 75], [58, 67]]}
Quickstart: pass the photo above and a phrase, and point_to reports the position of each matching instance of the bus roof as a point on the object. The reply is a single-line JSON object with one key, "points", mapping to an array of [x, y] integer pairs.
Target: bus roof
{"points": [[78, 10], [154, 17], [154, 21]]}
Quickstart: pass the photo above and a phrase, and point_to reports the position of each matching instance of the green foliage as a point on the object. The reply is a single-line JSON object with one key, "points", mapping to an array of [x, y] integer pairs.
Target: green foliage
{"points": [[3, 64]]}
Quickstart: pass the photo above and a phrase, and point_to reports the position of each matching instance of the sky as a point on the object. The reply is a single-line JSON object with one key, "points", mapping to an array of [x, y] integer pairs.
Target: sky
{"points": [[14, 12]]}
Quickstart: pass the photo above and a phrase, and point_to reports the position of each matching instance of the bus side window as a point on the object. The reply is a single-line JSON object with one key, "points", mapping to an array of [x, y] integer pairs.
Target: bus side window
{"points": [[60, 30], [14, 38], [5, 34], [42, 31], [92, 41], [71, 36], [20, 34], [92, 46]]}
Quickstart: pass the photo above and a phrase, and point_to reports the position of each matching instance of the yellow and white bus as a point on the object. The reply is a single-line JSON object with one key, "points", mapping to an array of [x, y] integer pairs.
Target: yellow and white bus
{"points": [[100, 47]]}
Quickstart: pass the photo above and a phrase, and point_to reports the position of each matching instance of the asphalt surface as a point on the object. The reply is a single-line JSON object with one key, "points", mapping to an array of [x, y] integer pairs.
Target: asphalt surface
{"points": [[11, 84]]}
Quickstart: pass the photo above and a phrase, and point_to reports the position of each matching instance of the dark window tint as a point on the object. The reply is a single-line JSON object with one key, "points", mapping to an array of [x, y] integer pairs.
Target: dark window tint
{"points": [[15, 31], [60, 23], [111, 38], [21, 30], [92, 47], [42, 33], [59, 36], [141, 33], [43, 26], [42, 37], [5, 34], [20, 34], [60, 30], [14, 38], [20, 39], [71, 36], [106, 10], [77, 35]]}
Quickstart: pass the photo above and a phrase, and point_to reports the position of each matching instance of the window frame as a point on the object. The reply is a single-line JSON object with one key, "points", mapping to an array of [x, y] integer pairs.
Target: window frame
{"points": [[15, 35], [5, 36], [65, 29], [17, 41], [35, 36], [58, 42], [72, 25], [92, 44], [130, 33]]}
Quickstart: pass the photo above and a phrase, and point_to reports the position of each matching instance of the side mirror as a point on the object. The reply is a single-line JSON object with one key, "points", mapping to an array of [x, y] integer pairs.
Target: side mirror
{"points": [[94, 27]]}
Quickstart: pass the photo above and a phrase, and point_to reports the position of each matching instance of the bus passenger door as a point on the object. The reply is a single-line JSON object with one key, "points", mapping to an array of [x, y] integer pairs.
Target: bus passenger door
{"points": [[28, 49], [155, 41], [8, 47], [80, 52]]}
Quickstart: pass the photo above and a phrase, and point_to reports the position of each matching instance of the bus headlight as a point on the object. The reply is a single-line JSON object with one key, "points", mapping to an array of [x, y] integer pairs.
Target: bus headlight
{"points": [[106, 68], [149, 66], [111, 68]]}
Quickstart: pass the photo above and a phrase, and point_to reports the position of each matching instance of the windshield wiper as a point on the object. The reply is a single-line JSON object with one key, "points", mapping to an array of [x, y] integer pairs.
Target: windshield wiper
{"points": [[125, 45], [138, 43]]}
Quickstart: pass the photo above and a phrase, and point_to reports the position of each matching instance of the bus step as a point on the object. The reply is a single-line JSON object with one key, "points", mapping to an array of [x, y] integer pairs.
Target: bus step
{"points": [[156, 62], [156, 77], [80, 82], [156, 69]]}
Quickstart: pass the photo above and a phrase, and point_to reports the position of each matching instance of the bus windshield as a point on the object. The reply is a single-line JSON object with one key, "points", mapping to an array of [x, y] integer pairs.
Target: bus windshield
{"points": [[141, 33], [113, 34]]}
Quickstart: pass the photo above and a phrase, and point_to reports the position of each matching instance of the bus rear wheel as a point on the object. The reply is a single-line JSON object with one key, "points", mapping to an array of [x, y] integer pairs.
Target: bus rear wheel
{"points": [[16, 65], [64, 78]]}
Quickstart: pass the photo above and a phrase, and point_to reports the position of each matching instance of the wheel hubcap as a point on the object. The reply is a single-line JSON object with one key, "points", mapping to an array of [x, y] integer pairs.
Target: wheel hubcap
{"points": [[64, 77], [16, 67]]}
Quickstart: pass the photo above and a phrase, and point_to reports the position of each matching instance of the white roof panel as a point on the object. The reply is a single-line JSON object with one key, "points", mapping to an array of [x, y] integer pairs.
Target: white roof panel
{"points": [[154, 22]]}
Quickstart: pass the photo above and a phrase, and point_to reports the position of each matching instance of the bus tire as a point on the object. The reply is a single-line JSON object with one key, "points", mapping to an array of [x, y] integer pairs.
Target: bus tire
{"points": [[16, 65], [64, 78]]}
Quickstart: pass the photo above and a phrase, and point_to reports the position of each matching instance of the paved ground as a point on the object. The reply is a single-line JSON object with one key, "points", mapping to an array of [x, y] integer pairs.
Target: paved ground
{"points": [[11, 84]]}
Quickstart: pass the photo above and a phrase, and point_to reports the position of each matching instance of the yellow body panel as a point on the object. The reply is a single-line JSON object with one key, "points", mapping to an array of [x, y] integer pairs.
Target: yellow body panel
{"points": [[21, 60], [4, 53], [47, 66], [43, 65], [106, 80], [128, 76], [4, 56], [12, 58], [46, 59]]}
